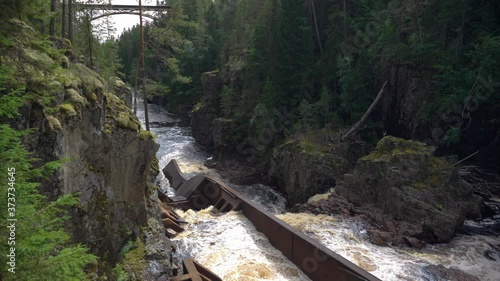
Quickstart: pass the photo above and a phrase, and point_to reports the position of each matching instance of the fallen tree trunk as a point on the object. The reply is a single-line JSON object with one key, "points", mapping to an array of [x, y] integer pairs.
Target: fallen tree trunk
{"points": [[367, 113]]}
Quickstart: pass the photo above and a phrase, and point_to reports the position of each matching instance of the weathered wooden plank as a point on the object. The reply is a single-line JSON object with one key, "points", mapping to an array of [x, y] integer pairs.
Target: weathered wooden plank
{"points": [[191, 269], [184, 277]]}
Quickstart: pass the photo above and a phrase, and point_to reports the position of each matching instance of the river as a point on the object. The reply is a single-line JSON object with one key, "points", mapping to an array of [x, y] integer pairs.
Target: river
{"points": [[231, 247]]}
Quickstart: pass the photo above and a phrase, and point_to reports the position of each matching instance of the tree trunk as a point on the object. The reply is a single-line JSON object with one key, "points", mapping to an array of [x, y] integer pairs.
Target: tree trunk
{"points": [[70, 20], [52, 28], [42, 27], [345, 19], [89, 31], [316, 25], [63, 19], [135, 87], [144, 94]]}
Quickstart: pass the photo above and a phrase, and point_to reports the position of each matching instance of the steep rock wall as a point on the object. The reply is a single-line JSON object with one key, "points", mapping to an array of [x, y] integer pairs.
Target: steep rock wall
{"points": [[205, 112], [110, 161]]}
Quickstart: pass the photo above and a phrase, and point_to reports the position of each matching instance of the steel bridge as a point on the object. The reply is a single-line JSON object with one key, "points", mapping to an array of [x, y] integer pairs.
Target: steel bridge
{"points": [[106, 10]]}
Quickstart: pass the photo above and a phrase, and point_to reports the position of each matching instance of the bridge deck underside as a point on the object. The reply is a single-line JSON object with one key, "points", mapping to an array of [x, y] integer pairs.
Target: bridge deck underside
{"points": [[134, 8]]}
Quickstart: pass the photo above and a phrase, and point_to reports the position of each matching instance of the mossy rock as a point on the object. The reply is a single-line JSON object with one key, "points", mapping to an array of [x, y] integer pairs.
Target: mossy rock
{"points": [[390, 146], [88, 80], [74, 97], [67, 109], [409, 184], [310, 163], [38, 59], [64, 62], [155, 166], [144, 134], [54, 123], [126, 121]]}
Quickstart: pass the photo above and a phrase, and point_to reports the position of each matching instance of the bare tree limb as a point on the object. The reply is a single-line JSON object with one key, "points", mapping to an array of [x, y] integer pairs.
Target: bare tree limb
{"points": [[466, 158], [367, 113], [317, 30]]}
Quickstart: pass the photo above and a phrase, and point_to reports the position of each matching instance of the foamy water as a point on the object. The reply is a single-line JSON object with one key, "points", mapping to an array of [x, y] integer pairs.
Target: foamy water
{"points": [[232, 248], [347, 238]]}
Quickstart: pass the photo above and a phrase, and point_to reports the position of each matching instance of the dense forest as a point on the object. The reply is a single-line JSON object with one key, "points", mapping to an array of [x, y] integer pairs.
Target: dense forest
{"points": [[325, 61]]}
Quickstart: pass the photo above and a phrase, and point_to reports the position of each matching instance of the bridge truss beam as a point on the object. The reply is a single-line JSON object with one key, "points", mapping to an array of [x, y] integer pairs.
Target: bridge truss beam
{"points": [[125, 7], [105, 10]]}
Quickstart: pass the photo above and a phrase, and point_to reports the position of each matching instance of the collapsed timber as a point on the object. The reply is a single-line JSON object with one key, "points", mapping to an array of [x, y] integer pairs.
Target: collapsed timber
{"points": [[315, 260]]}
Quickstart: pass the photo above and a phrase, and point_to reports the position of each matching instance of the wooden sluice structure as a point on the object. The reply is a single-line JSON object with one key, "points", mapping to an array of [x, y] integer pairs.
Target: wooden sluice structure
{"points": [[315, 260]]}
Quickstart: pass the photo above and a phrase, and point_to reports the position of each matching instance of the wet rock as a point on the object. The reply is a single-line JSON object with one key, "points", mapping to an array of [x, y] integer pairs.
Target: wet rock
{"points": [[491, 255], [414, 242], [332, 205], [401, 181], [380, 238], [441, 273]]}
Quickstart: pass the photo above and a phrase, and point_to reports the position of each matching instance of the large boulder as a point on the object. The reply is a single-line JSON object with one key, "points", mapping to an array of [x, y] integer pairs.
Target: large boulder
{"points": [[309, 164], [414, 190]]}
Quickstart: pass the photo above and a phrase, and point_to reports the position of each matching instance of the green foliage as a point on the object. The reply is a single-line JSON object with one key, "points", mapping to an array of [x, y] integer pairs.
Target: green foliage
{"points": [[306, 116], [226, 101], [42, 247], [125, 249], [132, 261], [353, 98], [11, 102], [33, 10], [324, 106], [107, 61]]}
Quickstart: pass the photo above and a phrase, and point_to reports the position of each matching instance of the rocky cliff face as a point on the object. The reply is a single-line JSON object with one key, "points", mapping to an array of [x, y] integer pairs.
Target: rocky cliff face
{"points": [[205, 112], [410, 89], [110, 164]]}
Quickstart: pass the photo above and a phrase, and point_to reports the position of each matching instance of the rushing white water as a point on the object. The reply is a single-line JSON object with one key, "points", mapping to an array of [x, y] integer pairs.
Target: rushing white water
{"points": [[347, 238], [231, 247]]}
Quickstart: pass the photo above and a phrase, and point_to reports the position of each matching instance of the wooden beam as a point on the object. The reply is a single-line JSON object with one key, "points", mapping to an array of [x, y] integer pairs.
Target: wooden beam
{"points": [[191, 269], [184, 277]]}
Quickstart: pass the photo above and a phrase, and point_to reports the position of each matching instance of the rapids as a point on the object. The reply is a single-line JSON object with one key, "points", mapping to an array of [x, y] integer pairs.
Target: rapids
{"points": [[230, 246]]}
